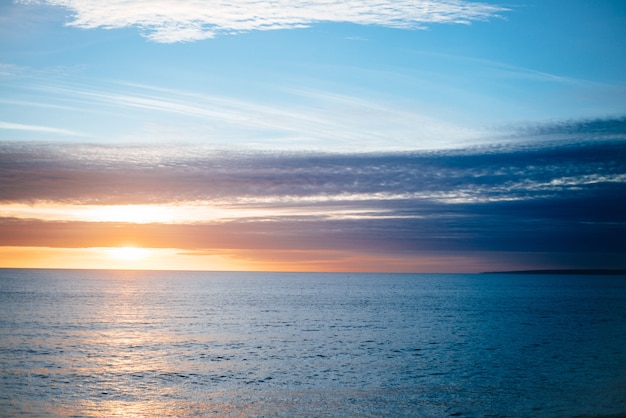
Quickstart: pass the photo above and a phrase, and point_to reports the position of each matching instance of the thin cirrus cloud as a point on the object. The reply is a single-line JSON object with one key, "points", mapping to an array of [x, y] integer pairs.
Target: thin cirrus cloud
{"points": [[313, 119], [169, 21], [11, 126]]}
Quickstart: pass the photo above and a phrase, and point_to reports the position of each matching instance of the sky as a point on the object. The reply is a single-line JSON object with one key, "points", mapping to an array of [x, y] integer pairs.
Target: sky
{"points": [[313, 135]]}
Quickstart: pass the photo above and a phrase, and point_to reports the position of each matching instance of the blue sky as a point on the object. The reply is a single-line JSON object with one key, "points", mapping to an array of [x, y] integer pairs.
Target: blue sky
{"points": [[517, 89], [326, 86]]}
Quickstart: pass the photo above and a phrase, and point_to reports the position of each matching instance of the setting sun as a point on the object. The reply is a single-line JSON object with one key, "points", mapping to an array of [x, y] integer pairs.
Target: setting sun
{"points": [[128, 253]]}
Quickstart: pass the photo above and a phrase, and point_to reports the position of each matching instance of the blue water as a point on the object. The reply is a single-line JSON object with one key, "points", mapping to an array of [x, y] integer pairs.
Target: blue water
{"points": [[112, 343]]}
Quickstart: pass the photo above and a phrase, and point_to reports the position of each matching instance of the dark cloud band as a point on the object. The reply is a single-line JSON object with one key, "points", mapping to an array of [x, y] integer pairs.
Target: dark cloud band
{"points": [[126, 175]]}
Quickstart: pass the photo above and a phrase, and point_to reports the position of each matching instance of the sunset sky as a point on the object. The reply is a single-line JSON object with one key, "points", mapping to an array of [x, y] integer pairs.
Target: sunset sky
{"points": [[313, 135]]}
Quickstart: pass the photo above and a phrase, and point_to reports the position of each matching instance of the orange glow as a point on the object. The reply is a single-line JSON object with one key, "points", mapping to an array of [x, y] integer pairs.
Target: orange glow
{"points": [[352, 261], [132, 258], [123, 258]]}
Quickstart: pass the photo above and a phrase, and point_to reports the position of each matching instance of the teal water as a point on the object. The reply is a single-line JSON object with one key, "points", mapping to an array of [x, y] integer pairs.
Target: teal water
{"points": [[140, 343]]}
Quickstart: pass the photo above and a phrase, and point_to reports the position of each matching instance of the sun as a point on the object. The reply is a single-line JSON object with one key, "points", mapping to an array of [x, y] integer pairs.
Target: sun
{"points": [[128, 253]]}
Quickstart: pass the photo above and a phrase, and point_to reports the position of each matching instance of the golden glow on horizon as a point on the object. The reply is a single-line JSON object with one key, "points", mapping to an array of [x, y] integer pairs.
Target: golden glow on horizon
{"points": [[127, 258], [128, 253], [118, 258]]}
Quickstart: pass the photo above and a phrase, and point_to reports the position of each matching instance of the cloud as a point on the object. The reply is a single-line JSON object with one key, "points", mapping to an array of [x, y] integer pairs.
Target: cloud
{"points": [[534, 197], [123, 175], [310, 119], [9, 70], [170, 21], [37, 128], [607, 128]]}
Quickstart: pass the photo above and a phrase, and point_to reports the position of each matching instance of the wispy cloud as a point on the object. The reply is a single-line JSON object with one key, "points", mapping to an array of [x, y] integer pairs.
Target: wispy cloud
{"points": [[498, 69], [37, 128], [9, 70], [191, 20], [311, 119]]}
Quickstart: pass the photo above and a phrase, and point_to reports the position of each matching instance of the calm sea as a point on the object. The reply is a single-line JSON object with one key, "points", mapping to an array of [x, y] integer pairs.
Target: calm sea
{"points": [[139, 343]]}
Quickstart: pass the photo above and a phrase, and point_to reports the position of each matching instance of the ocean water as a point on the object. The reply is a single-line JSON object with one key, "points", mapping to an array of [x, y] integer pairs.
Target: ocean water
{"points": [[140, 343]]}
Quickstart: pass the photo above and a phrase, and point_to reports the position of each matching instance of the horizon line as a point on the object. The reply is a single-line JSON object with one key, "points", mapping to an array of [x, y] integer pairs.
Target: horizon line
{"points": [[572, 271]]}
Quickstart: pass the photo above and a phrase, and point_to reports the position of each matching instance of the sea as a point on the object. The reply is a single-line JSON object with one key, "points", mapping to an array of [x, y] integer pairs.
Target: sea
{"points": [[97, 343]]}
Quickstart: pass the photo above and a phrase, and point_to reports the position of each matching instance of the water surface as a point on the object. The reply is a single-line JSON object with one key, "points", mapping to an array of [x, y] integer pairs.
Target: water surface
{"points": [[139, 343]]}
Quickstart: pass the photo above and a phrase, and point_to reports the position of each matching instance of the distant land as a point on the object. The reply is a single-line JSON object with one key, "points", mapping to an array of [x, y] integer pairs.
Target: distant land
{"points": [[610, 272]]}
